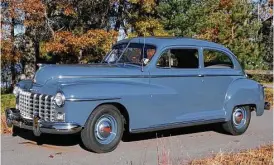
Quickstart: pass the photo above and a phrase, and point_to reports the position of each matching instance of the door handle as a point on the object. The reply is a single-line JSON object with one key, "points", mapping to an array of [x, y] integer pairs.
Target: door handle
{"points": [[201, 75]]}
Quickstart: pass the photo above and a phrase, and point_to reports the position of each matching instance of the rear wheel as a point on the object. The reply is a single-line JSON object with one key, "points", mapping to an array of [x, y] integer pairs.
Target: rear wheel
{"points": [[239, 121], [103, 130]]}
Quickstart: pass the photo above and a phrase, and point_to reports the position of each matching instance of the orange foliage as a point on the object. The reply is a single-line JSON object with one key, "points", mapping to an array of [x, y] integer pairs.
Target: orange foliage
{"points": [[6, 52], [35, 12], [69, 10], [210, 34], [9, 53], [226, 4], [33, 15], [67, 42], [11, 8]]}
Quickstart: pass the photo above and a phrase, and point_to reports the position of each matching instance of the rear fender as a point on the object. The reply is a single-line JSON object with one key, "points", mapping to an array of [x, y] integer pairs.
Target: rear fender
{"points": [[244, 92]]}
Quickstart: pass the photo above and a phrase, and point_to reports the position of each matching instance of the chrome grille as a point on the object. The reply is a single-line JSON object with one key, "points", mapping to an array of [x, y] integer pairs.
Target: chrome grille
{"points": [[31, 103]]}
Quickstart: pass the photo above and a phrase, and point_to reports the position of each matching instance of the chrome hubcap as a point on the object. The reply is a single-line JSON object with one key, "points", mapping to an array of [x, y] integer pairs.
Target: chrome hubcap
{"points": [[105, 129], [239, 117]]}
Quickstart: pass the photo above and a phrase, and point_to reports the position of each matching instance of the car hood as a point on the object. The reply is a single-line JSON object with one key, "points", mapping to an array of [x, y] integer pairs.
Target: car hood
{"points": [[53, 73]]}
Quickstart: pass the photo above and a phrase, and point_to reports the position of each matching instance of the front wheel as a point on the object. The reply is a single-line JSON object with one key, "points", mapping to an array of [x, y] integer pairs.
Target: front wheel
{"points": [[239, 121], [103, 130]]}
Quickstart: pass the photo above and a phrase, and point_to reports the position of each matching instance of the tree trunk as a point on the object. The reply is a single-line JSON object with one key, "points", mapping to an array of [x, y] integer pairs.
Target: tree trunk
{"points": [[29, 58], [80, 56], [12, 64], [37, 52]]}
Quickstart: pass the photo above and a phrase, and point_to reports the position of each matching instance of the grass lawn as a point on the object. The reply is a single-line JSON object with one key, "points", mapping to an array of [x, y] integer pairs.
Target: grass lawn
{"points": [[7, 101]]}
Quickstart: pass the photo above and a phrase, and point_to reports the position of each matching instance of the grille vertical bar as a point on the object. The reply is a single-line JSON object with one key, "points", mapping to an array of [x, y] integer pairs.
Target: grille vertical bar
{"points": [[39, 103], [51, 109]]}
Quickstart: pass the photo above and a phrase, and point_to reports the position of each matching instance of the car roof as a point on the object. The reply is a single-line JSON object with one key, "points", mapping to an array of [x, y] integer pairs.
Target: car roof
{"points": [[172, 41]]}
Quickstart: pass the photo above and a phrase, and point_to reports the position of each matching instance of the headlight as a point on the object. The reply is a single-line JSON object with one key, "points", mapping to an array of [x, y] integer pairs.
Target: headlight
{"points": [[16, 91], [59, 99]]}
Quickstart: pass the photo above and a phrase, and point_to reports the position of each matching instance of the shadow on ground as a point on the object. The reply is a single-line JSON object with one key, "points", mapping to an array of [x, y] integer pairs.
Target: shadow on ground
{"points": [[174, 132], [71, 140]]}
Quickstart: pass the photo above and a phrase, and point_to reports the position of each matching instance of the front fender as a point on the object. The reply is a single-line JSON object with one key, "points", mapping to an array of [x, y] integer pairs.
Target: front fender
{"points": [[105, 89], [135, 96], [244, 92], [25, 84]]}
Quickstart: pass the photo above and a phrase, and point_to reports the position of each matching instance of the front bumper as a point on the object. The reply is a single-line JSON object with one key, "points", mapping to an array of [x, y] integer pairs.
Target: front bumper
{"points": [[38, 126]]}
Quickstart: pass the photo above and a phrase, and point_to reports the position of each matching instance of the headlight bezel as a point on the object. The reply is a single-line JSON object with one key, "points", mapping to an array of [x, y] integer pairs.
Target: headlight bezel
{"points": [[59, 99]]}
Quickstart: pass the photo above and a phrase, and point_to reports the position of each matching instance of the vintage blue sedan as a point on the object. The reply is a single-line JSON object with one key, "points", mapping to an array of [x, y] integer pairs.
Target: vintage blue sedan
{"points": [[142, 85]]}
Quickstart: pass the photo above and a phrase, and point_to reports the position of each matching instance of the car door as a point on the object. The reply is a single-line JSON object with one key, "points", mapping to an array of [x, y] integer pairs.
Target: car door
{"points": [[177, 77], [218, 72]]}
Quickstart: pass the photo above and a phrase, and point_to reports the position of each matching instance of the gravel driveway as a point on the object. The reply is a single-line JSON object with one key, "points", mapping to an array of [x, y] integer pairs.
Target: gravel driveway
{"points": [[181, 145]]}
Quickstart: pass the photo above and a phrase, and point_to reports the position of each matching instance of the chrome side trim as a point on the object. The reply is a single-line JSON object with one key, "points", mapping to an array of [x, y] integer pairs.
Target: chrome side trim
{"points": [[220, 75], [149, 76], [173, 76], [191, 75], [175, 125], [106, 76], [90, 99]]}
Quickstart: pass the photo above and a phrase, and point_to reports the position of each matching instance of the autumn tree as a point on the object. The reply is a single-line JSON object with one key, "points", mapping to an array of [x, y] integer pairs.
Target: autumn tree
{"points": [[228, 22], [267, 33], [38, 29], [81, 31], [137, 18], [81, 48], [30, 14], [11, 17]]}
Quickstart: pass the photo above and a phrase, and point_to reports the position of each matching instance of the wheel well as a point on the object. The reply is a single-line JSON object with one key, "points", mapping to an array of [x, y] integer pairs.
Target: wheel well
{"points": [[123, 111], [251, 106]]}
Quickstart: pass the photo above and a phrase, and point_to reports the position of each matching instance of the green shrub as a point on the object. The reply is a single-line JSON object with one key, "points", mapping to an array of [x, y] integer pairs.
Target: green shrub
{"points": [[7, 101], [6, 90], [262, 78]]}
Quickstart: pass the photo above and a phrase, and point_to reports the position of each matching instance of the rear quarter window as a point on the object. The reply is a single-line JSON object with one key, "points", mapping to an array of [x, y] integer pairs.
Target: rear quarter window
{"points": [[216, 59]]}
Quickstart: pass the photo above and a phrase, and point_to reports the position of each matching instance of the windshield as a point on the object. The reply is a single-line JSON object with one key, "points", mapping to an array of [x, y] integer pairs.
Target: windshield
{"points": [[133, 54]]}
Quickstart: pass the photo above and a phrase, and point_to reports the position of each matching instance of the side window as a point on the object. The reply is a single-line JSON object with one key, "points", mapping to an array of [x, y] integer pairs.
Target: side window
{"points": [[216, 59], [132, 55], [179, 58]]}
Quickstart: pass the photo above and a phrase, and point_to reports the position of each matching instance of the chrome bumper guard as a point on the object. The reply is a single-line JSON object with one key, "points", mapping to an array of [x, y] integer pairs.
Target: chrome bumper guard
{"points": [[38, 126], [267, 106]]}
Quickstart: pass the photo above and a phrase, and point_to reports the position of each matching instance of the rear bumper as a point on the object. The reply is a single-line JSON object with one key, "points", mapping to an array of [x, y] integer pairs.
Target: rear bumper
{"points": [[39, 126], [267, 106]]}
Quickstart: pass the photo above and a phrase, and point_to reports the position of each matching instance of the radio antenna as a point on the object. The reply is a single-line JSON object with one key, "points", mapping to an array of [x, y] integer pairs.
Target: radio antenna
{"points": [[143, 54]]}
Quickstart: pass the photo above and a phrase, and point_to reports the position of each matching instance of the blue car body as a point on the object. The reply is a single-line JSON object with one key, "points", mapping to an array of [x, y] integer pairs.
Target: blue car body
{"points": [[152, 98]]}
